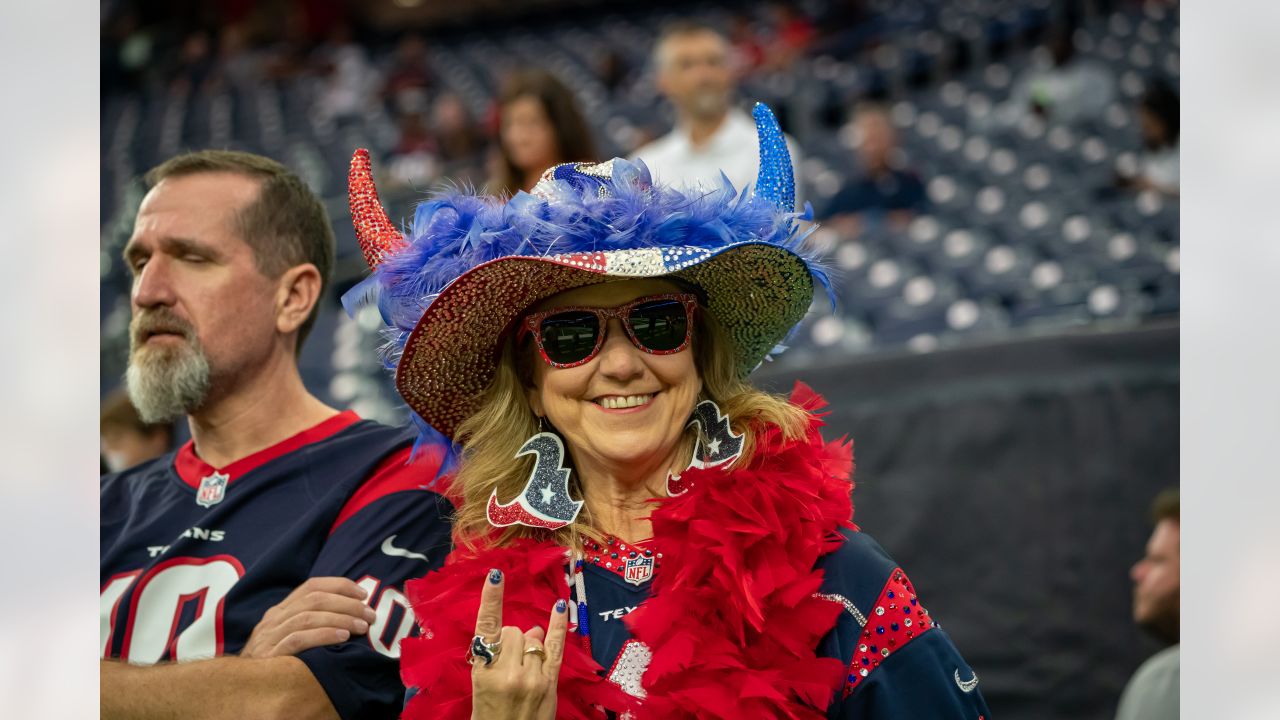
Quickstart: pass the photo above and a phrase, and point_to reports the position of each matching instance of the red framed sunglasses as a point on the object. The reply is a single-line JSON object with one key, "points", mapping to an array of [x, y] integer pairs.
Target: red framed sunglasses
{"points": [[571, 336]]}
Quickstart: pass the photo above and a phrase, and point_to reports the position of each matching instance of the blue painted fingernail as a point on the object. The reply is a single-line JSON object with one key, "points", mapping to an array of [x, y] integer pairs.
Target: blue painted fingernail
{"points": [[495, 576], [561, 606]]}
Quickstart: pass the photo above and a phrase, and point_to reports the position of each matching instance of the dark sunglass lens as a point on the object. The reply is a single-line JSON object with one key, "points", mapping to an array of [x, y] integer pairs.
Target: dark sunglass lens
{"points": [[660, 325], [569, 336]]}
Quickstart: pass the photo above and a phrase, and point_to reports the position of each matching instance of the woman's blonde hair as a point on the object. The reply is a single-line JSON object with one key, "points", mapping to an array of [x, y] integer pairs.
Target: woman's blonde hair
{"points": [[491, 437]]}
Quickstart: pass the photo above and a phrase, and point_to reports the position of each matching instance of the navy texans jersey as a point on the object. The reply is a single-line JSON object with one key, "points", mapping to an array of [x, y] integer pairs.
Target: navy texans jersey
{"points": [[192, 556], [900, 663]]}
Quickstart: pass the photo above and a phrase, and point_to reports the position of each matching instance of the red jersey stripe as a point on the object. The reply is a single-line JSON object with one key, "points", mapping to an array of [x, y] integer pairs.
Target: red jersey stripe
{"points": [[191, 468], [394, 474]]}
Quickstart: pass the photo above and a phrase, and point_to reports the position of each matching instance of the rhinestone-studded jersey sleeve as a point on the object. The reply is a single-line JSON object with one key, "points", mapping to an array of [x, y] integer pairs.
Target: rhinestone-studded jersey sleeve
{"points": [[926, 678], [900, 664]]}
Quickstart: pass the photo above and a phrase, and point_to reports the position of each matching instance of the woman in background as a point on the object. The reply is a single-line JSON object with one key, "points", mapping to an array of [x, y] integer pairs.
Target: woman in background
{"points": [[540, 127]]}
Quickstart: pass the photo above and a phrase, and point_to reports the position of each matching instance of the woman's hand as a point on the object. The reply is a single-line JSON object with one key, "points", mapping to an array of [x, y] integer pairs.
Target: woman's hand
{"points": [[521, 681]]}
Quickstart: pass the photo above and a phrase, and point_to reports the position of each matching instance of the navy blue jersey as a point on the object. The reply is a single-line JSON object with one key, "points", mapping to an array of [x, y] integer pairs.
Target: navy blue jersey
{"points": [[192, 556], [900, 664], [887, 191]]}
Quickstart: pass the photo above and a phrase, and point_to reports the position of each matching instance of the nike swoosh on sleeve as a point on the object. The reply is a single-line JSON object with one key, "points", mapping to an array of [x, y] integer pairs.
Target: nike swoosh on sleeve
{"points": [[394, 551]]}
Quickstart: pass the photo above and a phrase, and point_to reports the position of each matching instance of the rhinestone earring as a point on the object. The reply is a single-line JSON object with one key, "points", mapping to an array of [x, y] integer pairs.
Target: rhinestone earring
{"points": [[544, 502], [716, 443]]}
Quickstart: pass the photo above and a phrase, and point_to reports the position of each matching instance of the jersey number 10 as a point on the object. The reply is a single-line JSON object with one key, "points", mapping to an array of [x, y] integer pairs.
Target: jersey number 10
{"points": [[160, 596]]}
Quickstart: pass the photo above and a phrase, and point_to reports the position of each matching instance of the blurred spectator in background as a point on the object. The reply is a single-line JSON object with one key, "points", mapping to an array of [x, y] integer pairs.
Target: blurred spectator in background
{"points": [[1059, 86], [194, 64], [1152, 692], [414, 160], [845, 27], [127, 50], [1158, 119], [349, 79], [458, 137], [692, 62], [126, 439], [408, 71], [793, 33], [882, 188], [287, 57], [540, 125], [415, 136], [748, 50], [614, 71], [238, 64]]}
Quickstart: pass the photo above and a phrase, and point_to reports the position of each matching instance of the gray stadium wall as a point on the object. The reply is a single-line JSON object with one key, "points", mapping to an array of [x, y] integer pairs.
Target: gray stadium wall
{"points": [[1012, 483]]}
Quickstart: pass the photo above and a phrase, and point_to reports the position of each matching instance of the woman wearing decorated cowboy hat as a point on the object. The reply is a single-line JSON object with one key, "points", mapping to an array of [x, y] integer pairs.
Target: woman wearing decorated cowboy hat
{"points": [[639, 532]]}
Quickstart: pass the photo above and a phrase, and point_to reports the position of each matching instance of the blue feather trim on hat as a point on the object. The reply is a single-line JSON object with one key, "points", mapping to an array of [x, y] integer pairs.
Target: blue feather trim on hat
{"points": [[454, 232]]}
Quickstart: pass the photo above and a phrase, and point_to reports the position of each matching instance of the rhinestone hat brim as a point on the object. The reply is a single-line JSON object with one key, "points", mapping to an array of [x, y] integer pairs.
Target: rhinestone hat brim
{"points": [[756, 291]]}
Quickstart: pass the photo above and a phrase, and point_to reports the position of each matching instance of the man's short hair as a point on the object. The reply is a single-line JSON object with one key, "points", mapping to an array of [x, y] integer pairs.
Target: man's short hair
{"points": [[681, 28], [285, 226], [118, 414], [1165, 506]]}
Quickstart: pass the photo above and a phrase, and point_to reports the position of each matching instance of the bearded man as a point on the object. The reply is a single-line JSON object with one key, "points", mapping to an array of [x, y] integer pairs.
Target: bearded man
{"points": [[1152, 692], [256, 571]]}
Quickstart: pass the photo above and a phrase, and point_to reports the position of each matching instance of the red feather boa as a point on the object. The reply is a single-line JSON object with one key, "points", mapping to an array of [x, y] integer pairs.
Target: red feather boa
{"points": [[732, 622]]}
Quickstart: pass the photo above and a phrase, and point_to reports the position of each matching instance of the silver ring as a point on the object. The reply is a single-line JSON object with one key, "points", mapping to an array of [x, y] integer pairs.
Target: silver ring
{"points": [[483, 650]]}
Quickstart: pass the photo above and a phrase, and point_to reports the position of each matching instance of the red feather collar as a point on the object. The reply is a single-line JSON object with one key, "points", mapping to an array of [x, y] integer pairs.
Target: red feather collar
{"points": [[731, 622]]}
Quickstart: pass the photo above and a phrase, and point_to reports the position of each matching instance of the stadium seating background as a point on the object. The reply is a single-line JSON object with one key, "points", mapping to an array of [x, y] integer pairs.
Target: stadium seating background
{"points": [[1024, 234]]}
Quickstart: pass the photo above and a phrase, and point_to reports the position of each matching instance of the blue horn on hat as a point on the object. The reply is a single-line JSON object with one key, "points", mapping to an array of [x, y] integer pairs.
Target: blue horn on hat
{"points": [[776, 181]]}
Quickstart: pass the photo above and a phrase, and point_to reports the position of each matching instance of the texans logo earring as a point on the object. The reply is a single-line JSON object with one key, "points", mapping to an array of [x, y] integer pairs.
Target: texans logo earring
{"points": [[544, 502], [716, 444]]}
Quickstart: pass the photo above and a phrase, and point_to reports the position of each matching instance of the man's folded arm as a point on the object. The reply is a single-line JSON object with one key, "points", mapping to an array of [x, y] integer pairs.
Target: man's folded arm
{"points": [[225, 687]]}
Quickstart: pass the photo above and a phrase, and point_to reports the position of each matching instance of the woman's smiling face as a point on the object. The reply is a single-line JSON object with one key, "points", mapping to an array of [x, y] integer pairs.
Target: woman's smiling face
{"points": [[625, 407]]}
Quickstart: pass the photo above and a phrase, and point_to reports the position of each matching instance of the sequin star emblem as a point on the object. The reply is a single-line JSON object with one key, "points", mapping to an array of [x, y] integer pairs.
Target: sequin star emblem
{"points": [[713, 446], [548, 495]]}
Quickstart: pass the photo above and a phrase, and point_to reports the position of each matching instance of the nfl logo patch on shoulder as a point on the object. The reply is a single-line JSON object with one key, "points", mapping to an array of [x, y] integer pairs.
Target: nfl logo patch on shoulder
{"points": [[212, 489], [638, 570]]}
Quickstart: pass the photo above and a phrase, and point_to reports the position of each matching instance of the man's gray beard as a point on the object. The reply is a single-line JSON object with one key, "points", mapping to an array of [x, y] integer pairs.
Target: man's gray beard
{"points": [[165, 385], [708, 104]]}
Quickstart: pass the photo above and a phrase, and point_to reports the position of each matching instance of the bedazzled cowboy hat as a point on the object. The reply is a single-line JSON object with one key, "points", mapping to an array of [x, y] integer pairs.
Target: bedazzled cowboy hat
{"points": [[470, 266]]}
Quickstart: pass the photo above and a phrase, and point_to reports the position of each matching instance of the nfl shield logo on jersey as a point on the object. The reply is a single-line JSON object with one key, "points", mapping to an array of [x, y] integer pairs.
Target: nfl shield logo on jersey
{"points": [[638, 570], [212, 489]]}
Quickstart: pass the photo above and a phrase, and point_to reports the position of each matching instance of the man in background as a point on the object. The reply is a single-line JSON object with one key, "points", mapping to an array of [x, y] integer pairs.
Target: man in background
{"points": [[694, 72], [256, 572], [1158, 166], [1152, 692], [1060, 86], [126, 439], [882, 189]]}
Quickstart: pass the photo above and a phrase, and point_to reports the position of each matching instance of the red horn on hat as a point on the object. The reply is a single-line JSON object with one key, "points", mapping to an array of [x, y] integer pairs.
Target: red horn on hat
{"points": [[379, 239]]}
